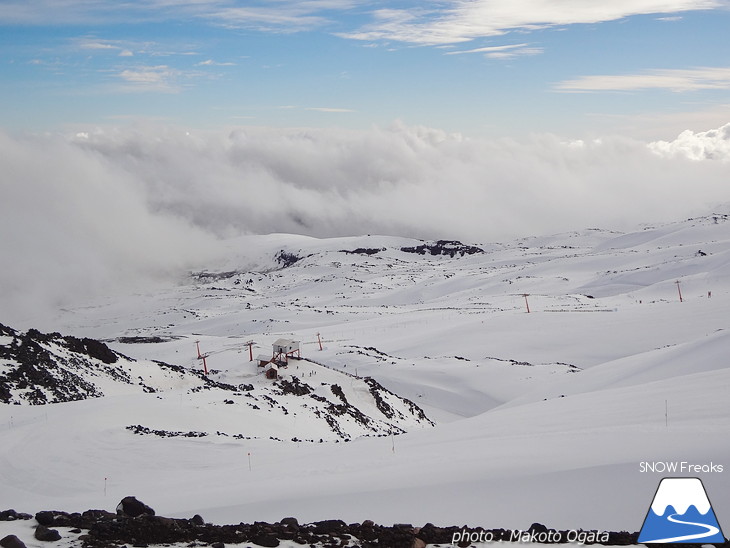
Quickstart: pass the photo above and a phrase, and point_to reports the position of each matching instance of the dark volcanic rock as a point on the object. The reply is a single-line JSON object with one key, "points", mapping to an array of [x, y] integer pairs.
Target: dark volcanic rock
{"points": [[292, 523], [444, 247], [197, 519], [92, 348], [11, 541], [266, 539], [45, 534], [106, 529], [42, 373], [45, 518], [286, 259], [130, 506], [329, 526], [12, 515], [364, 250], [44, 368]]}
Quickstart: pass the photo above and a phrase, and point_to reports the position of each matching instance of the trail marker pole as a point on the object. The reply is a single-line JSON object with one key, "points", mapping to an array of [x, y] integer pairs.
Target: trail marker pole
{"points": [[104, 486], [249, 461], [527, 304], [679, 290]]}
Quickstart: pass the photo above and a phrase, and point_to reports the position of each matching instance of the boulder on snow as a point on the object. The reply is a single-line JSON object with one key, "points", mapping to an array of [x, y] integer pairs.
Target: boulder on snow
{"points": [[11, 541], [45, 518], [45, 534], [130, 506]]}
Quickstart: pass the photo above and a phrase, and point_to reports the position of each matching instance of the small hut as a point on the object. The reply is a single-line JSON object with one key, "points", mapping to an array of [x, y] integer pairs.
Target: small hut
{"points": [[272, 372]]}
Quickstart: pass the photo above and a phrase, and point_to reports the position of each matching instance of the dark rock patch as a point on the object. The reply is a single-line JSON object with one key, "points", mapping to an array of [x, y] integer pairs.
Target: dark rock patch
{"points": [[451, 248], [286, 259], [363, 251], [144, 430], [155, 339]]}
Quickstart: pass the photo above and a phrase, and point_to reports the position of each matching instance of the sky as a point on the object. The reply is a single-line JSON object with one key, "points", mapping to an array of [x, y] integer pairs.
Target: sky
{"points": [[136, 137], [644, 68]]}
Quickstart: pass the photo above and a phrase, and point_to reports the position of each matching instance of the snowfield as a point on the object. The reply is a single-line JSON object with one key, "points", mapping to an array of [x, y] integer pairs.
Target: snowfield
{"points": [[543, 416]]}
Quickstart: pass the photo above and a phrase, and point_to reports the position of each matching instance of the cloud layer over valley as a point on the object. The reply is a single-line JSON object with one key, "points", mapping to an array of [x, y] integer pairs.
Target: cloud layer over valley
{"points": [[93, 212]]}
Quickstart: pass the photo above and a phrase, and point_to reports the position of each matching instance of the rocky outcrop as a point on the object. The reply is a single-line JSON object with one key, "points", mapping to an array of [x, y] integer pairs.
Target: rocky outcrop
{"points": [[101, 529], [131, 507], [41, 368], [451, 248]]}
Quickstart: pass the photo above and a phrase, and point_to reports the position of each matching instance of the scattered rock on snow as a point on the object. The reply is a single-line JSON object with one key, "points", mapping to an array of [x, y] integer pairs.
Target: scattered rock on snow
{"points": [[105, 529]]}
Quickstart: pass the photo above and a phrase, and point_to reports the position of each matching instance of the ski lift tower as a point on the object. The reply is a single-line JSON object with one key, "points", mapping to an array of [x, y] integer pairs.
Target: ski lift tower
{"points": [[250, 349], [283, 349]]}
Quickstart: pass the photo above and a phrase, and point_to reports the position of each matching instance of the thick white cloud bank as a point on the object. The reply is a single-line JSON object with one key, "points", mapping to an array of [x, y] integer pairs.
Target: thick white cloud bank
{"points": [[93, 212], [704, 145]]}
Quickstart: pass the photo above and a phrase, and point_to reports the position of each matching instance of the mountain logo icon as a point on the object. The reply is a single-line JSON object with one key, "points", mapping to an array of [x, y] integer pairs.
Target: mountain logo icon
{"points": [[680, 513]]}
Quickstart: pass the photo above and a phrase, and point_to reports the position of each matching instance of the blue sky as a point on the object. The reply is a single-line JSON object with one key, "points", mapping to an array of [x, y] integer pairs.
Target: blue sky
{"points": [[483, 67]]}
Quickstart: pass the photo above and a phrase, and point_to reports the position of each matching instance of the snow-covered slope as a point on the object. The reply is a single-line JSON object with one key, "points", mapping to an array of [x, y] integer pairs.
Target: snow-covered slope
{"points": [[541, 416], [42, 368]]}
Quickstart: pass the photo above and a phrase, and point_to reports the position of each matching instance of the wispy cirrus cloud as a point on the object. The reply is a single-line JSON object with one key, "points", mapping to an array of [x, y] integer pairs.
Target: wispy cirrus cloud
{"points": [[121, 48], [317, 109], [289, 19], [677, 80], [502, 52], [159, 78], [330, 109], [444, 22], [69, 12], [460, 21], [212, 63], [98, 45], [279, 16]]}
